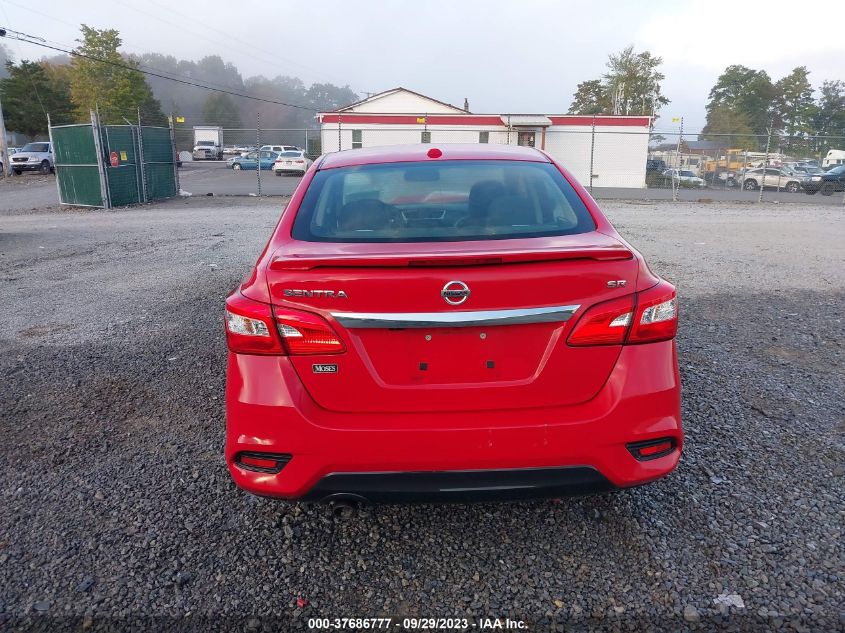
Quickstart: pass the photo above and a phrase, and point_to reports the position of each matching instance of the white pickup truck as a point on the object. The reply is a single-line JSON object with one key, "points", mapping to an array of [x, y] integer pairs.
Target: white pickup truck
{"points": [[32, 157]]}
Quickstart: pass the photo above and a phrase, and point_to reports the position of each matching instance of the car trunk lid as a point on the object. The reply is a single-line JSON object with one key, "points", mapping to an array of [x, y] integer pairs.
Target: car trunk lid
{"points": [[453, 326]]}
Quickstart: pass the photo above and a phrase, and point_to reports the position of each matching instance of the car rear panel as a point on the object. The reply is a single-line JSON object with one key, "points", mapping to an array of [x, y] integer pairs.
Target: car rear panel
{"points": [[504, 347]]}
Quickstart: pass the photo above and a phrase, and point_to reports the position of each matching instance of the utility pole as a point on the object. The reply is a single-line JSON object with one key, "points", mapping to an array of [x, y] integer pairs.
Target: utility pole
{"points": [[4, 147], [678, 156]]}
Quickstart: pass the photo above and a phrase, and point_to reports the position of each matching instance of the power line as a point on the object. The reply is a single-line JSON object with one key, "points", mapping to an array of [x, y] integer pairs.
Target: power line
{"points": [[269, 58], [74, 53]]}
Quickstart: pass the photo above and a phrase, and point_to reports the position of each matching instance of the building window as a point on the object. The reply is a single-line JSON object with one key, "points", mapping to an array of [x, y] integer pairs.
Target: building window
{"points": [[526, 139], [425, 137], [356, 139], [484, 137]]}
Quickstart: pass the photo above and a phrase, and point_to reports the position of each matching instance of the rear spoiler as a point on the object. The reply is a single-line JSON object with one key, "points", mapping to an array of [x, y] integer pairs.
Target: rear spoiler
{"points": [[296, 261]]}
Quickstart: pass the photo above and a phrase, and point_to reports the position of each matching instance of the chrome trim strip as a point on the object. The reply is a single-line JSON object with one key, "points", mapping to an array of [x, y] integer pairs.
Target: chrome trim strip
{"points": [[401, 320]]}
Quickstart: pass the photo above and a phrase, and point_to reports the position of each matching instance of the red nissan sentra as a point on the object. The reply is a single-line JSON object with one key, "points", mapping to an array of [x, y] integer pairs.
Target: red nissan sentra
{"points": [[452, 323]]}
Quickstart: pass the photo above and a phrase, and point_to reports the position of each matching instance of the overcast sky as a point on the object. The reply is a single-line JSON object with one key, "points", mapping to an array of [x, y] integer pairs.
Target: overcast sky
{"points": [[504, 56]]}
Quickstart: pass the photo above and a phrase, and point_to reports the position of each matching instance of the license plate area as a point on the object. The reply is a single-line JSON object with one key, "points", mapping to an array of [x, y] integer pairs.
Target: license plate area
{"points": [[458, 355]]}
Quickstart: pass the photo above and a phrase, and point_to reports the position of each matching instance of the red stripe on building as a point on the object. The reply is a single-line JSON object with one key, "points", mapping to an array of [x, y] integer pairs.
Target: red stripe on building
{"points": [[605, 121], [411, 119], [486, 120]]}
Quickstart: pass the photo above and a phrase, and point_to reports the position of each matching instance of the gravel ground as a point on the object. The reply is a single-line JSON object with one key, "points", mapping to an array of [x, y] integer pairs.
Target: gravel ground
{"points": [[28, 192], [118, 512]]}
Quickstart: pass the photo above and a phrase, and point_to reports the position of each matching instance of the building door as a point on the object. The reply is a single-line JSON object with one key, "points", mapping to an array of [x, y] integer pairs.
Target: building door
{"points": [[526, 139]]}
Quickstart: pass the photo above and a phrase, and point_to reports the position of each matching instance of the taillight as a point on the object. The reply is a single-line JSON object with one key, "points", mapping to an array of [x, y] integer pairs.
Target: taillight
{"points": [[644, 317], [657, 315], [254, 328], [605, 323], [305, 333], [249, 327]]}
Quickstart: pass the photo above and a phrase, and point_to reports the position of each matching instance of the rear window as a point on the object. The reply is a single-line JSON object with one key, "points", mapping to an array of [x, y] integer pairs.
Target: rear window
{"points": [[290, 155], [442, 202]]}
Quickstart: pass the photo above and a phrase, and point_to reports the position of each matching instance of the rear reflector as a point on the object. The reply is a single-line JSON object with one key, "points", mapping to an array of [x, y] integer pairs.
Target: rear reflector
{"points": [[652, 449], [262, 462]]}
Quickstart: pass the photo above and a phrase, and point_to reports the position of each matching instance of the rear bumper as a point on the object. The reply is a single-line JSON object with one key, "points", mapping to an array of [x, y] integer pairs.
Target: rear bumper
{"points": [[473, 455], [460, 485]]}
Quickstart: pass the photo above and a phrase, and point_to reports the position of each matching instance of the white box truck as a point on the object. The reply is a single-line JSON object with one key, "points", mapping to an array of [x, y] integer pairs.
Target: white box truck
{"points": [[208, 142]]}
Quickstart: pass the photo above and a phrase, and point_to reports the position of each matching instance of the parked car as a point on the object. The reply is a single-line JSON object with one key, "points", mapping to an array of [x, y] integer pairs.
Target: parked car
{"points": [[292, 162], [250, 160], [280, 148], [806, 169], [11, 150], [830, 181], [655, 166], [684, 177], [448, 323], [33, 157], [771, 178]]}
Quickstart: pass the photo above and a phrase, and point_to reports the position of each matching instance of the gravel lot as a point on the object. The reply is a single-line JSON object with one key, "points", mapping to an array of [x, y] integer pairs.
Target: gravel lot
{"points": [[118, 511]]}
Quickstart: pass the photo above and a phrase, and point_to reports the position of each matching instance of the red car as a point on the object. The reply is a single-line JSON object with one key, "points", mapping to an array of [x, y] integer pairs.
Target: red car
{"points": [[455, 323]]}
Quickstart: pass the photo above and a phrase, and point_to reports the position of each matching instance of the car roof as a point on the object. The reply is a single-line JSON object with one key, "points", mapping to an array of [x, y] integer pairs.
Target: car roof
{"points": [[419, 152]]}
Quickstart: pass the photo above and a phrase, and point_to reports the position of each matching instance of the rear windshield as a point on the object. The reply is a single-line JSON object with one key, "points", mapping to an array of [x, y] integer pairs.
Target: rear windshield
{"points": [[290, 155], [447, 201]]}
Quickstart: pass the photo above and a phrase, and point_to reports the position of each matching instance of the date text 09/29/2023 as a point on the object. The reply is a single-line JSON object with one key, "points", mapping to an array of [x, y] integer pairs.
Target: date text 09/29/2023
{"points": [[417, 624]]}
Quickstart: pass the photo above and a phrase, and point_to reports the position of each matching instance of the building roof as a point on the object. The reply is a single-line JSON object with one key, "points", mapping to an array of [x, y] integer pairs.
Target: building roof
{"points": [[424, 110], [385, 93]]}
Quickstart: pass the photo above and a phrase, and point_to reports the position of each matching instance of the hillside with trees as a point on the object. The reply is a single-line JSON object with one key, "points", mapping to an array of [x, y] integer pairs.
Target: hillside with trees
{"points": [[100, 76]]}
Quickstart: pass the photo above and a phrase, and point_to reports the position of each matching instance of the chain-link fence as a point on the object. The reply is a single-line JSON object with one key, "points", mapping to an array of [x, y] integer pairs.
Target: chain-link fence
{"points": [[616, 162]]}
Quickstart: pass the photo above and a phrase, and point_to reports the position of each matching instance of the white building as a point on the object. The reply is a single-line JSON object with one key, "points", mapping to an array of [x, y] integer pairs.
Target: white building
{"points": [[616, 145]]}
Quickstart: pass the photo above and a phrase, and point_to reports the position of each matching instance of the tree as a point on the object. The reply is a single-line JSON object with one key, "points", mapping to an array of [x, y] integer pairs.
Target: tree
{"points": [[794, 108], [327, 97], [100, 79], [829, 115], [219, 109], [590, 98], [30, 91], [633, 82], [730, 128], [745, 92], [631, 86], [5, 56]]}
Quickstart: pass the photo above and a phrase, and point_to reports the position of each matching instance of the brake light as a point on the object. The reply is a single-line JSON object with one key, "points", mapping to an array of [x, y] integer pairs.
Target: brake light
{"points": [[249, 327], [305, 333], [299, 161], [657, 315], [605, 323], [644, 317]]}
